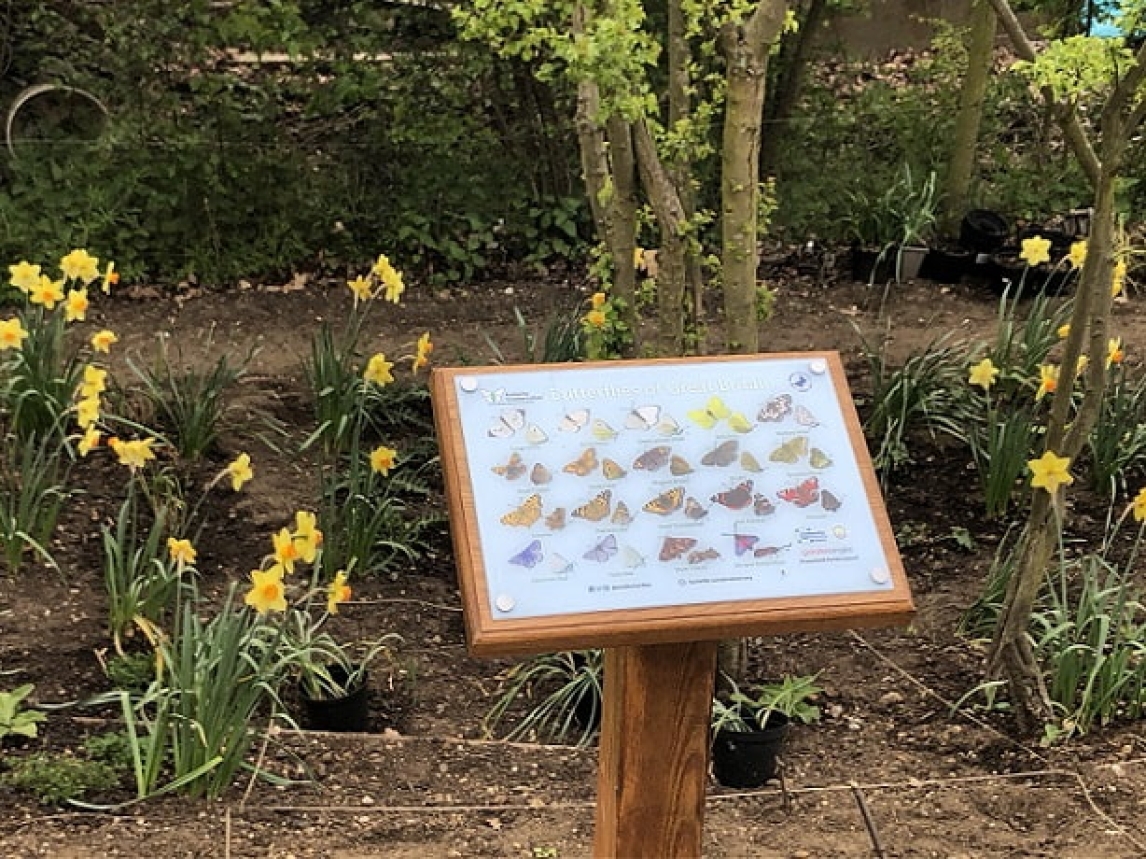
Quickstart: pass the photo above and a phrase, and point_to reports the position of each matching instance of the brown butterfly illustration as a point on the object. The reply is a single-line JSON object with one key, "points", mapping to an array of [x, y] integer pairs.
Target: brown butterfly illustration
{"points": [[767, 551], [736, 498], [555, 521], [775, 409], [612, 469], [513, 468], [762, 506], [750, 463], [791, 450], [653, 459], [540, 475], [723, 454], [622, 515], [675, 547], [679, 466], [525, 515], [666, 502], [584, 464], [830, 501], [700, 557], [693, 510], [596, 508]]}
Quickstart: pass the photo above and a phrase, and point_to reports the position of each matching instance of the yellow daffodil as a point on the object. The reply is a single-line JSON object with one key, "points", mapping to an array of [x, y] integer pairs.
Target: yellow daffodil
{"points": [[12, 334], [94, 383], [392, 281], [24, 276], [338, 592], [181, 551], [1050, 472], [1048, 380], [424, 348], [381, 266], [378, 370], [80, 265], [286, 553], [1114, 353], [1077, 255], [638, 258], [1063, 331], [1035, 250], [102, 341], [307, 536], [76, 306], [47, 292], [240, 471], [984, 374], [595, 319], [87, 412], [382, 459], [362, 288], [110, 278], [1118, 279], [89, 441], [598, 300], [1139, 507], [1083, 363], [267, 592], [134, 454]]}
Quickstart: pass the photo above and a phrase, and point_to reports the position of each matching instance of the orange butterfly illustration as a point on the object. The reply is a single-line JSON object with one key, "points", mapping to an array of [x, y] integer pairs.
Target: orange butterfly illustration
{"points": [[555, 521], [708, 554], [513, 468], [803, 494], [612, 469], [679, 466], [674, 547], [693, 509], [597, 508], [525, 515], [584, 464], [666, 502]]}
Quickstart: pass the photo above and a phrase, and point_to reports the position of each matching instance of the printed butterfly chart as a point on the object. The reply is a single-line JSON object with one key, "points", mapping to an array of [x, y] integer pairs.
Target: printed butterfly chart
{"points": [[743, 543], [750, 463], [555, 521], [540, 475], [557, 565], [805, 418], [583, 465], [530, 556], [512, 469], [818, 459], [678, 466], [675, 547], [602, 431], [603, 550], [767, 551], [791, 451], [715, 411], [509, 422], [535, 435], [494, 397], [666, 502], [597, 508], [667, 426], [631, 558], [643, 418], [762, 506], [829, 501], [612, 469], [574, 421], [803, 494], [525, 515], [723, 455], [653, 459], [693, 510], [776, 409], [621, 514], [700, 557], [736, 498]]}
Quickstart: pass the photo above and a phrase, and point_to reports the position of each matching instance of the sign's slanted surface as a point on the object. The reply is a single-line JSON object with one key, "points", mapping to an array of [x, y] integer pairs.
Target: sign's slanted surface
{"points": [[640, 501]]}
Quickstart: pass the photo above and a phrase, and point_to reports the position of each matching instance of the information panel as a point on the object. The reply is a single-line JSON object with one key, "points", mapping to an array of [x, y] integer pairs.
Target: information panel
{"points": [[587, 501]]}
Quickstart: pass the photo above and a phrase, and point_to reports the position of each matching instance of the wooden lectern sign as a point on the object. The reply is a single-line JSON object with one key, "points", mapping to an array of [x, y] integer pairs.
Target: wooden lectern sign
{"points": [[652, 508]]}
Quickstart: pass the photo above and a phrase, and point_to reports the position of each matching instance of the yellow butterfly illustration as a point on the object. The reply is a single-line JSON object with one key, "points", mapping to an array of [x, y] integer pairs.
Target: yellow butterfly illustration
{"points": [[602, 431], [667, 425], [597, 508], [584, 464], [750, 463], [713, 412], [738, 423], [612, 469], [679, 466], [791, 450], [525, 515], [818, 459], [666, 502]]}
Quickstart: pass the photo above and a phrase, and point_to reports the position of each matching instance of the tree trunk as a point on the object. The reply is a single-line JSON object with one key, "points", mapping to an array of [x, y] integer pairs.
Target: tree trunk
{"points": [[961, 164], [786, 82], [624, 217]]}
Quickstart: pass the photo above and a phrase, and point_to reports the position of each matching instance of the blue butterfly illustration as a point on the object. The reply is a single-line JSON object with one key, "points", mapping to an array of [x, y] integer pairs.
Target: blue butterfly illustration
{"points": [[604, 550], [530, 556]]}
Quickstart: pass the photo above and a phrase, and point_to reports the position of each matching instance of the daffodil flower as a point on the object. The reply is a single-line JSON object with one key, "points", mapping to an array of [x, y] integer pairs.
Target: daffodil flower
{"points": [[1048, 380], [1083, 363], [382, 459], [80, 265], [87, 413], [47, 292], [392, 281], [89, 441], [378, 370], [307, 536], [1139, 506], [1063, 331], [337, 592], [1050, 471], [76, 305], [110, 278], [1118, 279], [424, 348], [984, 374], [240, 471], [598, 299], [24, 276], [638, 258], [1077, 255], [181, 551], [595, 319], [362, 288], [94, 383], [267, 592], [286, 553], [102, 341], [12, 334], [1035, 250], [134, 454], [1114, 353]]}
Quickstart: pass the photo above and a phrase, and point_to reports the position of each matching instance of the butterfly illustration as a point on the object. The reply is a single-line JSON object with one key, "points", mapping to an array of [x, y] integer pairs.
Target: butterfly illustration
{"points": [[602, 431], [631, 558], [818, 459], [693, 510], [743, 543], [803, 494], [679, 466], [509, 422], [667, 425], [805, 418], [493, 397], [762, 506], [666, 502], [830, 501], [573, 421], [776, 409], [738, 423], [612, 469], [512, 469], [555, 521], [722, 455], [653, 459], [525, 515], [584, 464], [750, 463], [558, 565], [530, 556], [622, 515], [535, 435], [767, 551], [714, 412], [700, 557], [675, 547], [604, 550], [643, 418], [539, 475], [791, 450], [736, 498], [596, 508]]}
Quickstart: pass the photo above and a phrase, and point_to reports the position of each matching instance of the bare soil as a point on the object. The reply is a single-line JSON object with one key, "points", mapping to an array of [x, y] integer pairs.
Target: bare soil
{"points": [[426, 783]]}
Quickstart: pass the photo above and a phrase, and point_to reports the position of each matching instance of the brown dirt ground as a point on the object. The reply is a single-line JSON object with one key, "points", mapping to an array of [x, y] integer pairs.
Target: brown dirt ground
{"points": [[428, 785]]}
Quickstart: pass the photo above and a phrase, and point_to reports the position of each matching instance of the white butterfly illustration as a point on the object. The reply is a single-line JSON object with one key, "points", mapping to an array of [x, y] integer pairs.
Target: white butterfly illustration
{"points": [[510, 421]]}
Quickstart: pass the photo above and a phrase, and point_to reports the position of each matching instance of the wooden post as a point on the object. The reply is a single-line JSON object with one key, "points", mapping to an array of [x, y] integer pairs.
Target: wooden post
{"points": [[654, 750]]}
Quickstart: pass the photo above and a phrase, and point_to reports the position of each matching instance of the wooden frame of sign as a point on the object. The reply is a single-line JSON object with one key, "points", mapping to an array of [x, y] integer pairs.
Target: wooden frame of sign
{"points": [[619, 503]]}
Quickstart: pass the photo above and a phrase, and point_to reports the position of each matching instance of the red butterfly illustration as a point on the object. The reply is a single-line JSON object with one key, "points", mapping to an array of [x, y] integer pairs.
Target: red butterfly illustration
{"points": [[737, 498], [802, 494], [743, 543]]}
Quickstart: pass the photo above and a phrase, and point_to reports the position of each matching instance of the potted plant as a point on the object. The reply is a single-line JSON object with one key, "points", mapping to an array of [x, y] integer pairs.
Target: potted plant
{"points": [[915, 213], [749, 727], [565, 695]]}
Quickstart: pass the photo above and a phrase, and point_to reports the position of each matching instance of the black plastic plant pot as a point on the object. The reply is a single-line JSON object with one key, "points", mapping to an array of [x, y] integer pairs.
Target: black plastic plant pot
{"points": [[749, 759], [943, 266], [1008, 274], [349, 713], [983, 231]]}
